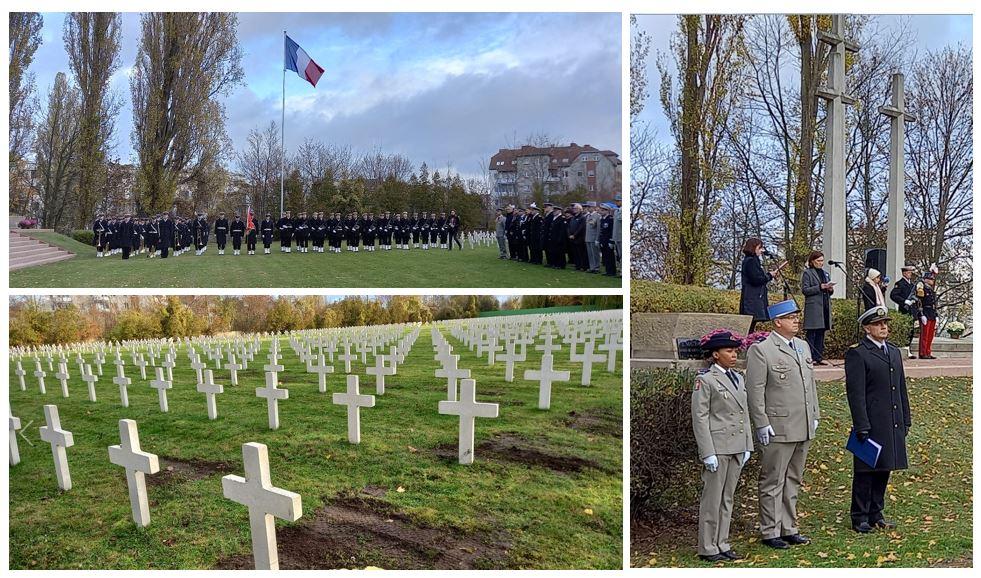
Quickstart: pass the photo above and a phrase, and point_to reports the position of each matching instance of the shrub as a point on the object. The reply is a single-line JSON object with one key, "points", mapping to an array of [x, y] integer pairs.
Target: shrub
{"points": [[650, 297], [84, 236]]}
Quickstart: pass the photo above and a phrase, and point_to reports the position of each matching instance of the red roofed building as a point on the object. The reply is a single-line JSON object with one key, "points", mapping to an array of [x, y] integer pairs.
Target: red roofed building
{"points": [[555, 170]]}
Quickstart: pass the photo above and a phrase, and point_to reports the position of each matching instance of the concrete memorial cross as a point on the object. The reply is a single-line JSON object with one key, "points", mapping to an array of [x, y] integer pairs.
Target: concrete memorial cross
{"points": [[140, 362], [451, 372], [509, 357], [265, 503], [169, 363], [90, 378], [347, 357], [209, 388], [100, 358], [60, 440], [272, 395], [545, 376], [197, 365], [896, 221], [468, 409], [611, 345], [161, 385], [321, 369], [331, 349], [354, 400], [62, 376], [380, 370], [13, 424], [123, 382], [20, 375], [233, 368], [587, 358], [137, 464], [39, 374]]}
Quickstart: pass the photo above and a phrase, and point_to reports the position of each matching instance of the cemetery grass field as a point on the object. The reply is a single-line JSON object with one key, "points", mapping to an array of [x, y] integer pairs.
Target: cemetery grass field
{"points": [[931, 502], [478, 267], [545, 490]]}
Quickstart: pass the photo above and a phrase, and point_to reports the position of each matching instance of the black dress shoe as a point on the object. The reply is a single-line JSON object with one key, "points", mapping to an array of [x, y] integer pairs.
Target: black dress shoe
{"points": [[862, 528], [713, 558], [796, 539], [732, 555], [775, 543], [884, 524]]}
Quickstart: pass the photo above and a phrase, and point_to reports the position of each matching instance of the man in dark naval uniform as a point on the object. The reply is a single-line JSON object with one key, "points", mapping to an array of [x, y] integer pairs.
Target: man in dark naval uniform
{"points": [[221, 232], [200, 230], [267, 233], [285, 226], [165, 235], [904, 296], [237, 230], [879, 405]]}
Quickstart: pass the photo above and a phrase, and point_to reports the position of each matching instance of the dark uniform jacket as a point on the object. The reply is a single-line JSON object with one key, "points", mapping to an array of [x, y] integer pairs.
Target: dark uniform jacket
{"points": [[166, 234], [901, 291], [752, 299], [237, 228], [877, 399], [221, 228]]}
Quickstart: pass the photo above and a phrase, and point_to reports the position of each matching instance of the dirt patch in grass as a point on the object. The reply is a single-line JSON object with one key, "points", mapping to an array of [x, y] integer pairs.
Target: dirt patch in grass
{"points": [[518, 450], [358, 531], [175, 471], [599, 421]]}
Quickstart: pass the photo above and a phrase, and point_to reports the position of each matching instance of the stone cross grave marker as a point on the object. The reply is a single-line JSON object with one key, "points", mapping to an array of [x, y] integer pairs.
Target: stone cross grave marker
{"points": [[264, 501], [452, 373], [62, 376], [137, 464], [13, 424], [468, 409], [347, 357], [20, 375], [380, 370], [272, 395], [123, 382], [354, 400], [233, 368], [209, 388], [611, 345], [100, 358], [90, 378], [60, 440], [39, 374], [509, 357], [161, 385], [321, 369], [587, 358], [169, 363], [545, 376], [197, 365], [140, 362]]}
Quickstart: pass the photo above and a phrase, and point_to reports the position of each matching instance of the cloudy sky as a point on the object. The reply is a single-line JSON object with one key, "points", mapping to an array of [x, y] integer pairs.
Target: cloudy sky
{"points": [[447, 89], [929, 33]]}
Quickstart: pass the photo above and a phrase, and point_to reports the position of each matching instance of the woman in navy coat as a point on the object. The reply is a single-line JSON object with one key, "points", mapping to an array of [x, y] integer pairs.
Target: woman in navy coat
{"points": [[753, 298]]}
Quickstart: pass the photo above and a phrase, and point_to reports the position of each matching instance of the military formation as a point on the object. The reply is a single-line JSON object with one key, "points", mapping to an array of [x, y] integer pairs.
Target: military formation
{"points": [[319, 232], [585, 236]]}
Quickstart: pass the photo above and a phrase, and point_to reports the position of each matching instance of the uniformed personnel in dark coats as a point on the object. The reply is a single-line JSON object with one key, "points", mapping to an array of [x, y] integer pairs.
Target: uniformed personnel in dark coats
{"points": [[903, 294], [221, 233], [267, 233], [125, 236], [557, 238], [237, 229], [879, 405], [577, 238], [165, 235], [535, 225], [547, 217], [285, 226]]}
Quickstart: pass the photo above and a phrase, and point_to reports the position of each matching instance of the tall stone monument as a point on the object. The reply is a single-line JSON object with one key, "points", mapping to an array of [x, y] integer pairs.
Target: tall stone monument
{"points": [[896, 231], [835, 213]]}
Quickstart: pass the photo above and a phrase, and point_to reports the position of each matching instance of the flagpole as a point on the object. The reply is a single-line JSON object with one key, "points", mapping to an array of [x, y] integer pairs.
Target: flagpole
{"points": [[282, 133]]}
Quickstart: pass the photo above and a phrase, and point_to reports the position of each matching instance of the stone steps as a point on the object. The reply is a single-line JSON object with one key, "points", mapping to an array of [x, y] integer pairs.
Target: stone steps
{"points": [[26, 251]]}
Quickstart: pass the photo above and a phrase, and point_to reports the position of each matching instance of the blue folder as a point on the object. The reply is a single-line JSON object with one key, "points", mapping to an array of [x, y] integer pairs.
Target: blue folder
{"points": [[867, 451]]}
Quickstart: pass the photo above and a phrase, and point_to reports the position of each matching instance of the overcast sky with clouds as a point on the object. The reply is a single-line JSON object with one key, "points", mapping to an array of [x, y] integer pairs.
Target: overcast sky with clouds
{"points": [[929, 32], [447, 89]]}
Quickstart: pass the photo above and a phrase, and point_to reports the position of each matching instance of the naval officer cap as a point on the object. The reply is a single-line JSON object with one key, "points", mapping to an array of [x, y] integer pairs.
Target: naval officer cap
{"points": [[874, 315], [782, 309]]}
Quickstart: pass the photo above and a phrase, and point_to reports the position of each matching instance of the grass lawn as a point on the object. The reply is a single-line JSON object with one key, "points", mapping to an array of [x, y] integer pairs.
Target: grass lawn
{"points": [[931, 502], [415, 268], [545, 490]]}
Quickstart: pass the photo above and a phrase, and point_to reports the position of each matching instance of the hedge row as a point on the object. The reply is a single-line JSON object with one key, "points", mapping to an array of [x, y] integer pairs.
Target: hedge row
{"points": [[84, 236], [650, 297]]}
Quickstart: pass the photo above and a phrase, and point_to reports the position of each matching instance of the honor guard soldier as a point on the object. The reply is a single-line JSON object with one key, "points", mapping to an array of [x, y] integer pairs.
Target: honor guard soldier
{"points": [[317, 232], [720, 420], [267, 233], [414, 228], [434, 229], [927, 296], [300, 232], [557, 237], [237, 229], [424, 230], [903, 294], [383, 231], [221, 232], [608, 247], [285, 226], [443, 229], [166, 235], [876, 386], [200, 230], [99, 236], [250, 234], [547, 218], [783, 405], [369, 230]]}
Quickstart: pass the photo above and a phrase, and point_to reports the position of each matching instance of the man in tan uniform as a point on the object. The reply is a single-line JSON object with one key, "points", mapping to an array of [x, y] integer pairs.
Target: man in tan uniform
{"points": [[720, 419], [783, 405]]}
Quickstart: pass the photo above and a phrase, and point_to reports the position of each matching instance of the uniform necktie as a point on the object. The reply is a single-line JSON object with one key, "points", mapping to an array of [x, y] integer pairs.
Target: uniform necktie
{"points": [[732, 378], [885, 350]]}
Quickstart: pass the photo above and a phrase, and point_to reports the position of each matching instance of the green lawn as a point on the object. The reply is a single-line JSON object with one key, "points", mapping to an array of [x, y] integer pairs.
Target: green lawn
{"points": [[931, 502], [415, 268], [404, 500]]}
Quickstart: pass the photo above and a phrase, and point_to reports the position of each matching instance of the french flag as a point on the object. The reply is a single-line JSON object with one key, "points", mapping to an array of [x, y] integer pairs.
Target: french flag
{"points": [[299, 62]]}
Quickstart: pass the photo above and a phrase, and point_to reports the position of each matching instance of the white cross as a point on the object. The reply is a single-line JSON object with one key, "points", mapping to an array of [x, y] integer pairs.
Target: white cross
{"points": [[89, 378], [169, 363], [233, 367], [137, 463], [39, 374], [20, 375], [586, 358], [13, 424], [611, 345], [321, 369], [197, 365], [63, 376], [265, 503], [380, 370], [492, 349], [354, 401], [209, 388], [545, 377], [141, 363], [123, 382], [347, 358], [100, 358], [59, 440], [451, 372], [468, 409], [509, 358], [272, 395], [161, 385]]}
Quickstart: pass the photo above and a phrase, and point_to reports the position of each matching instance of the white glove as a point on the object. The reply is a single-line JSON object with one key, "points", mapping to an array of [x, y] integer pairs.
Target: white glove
{"points": [[923, 320], [815, 425], [745, 459], [764, 434], [711, 463]]}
